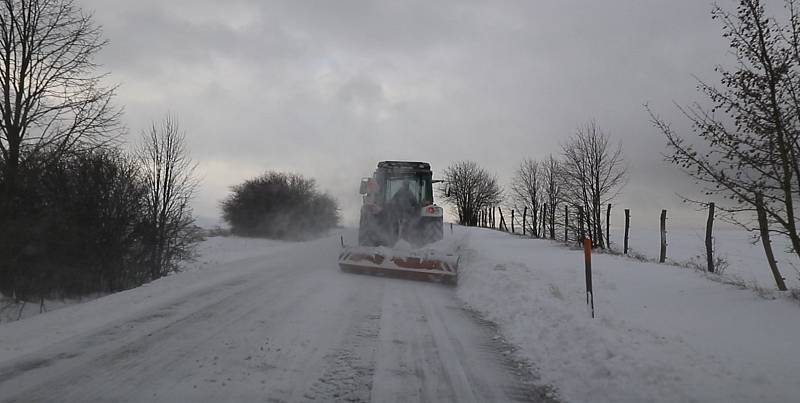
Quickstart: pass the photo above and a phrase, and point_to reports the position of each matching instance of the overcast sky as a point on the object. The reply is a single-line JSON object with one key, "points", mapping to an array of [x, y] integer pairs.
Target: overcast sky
{"points": [[328, 88]]}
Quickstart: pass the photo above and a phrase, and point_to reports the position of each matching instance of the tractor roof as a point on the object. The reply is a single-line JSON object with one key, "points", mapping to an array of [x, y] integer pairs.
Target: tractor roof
{"points": [[404, 165]]}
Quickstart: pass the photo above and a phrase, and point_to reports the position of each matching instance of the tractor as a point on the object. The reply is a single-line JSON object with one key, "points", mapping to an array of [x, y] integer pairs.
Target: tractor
{"points": [[398, 205]]}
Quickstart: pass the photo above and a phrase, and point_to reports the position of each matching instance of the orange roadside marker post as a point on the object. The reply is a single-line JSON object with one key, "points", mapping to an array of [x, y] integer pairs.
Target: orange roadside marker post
{"points": [[587, 254]]}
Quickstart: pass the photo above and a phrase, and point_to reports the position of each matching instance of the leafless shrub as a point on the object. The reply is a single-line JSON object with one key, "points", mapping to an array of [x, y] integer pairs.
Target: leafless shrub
{"points": [[699, 263], [794, 293]]}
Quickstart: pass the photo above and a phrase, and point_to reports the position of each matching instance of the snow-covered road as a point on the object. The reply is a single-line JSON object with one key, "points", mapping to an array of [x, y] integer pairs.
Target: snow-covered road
{"points": [[283, 326]]}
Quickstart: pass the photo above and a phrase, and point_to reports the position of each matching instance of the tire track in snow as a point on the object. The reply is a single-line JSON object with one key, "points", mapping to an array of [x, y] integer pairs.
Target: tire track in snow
{"points": [[350, 367]]}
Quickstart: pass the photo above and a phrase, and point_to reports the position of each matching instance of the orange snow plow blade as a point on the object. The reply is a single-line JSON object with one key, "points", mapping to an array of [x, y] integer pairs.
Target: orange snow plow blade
{"points": [[415, 265]]}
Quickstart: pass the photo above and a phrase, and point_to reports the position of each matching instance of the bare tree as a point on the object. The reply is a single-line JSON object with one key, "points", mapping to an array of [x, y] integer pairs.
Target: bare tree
{"points": [[553, 188], [51, 102], [50, 94], [526, 190], [469, 188], [168, 173], [594, 172], [752, 147]]}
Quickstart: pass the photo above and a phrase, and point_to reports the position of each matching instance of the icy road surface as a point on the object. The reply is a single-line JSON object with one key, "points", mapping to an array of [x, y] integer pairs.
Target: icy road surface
{"points": [[283, 326]]}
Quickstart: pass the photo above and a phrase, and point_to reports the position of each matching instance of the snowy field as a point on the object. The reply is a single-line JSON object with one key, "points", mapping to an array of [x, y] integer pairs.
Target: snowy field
{"points": [[662, 333], [744, 254]]}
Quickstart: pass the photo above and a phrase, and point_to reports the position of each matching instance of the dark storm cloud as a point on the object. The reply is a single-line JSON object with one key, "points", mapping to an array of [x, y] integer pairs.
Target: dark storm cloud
{"points": [[327, 88]]}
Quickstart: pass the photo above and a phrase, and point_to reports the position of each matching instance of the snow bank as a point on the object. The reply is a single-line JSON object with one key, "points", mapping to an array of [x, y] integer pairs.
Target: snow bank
{"points": [[220, 259], [211, 253], [662, 333]]}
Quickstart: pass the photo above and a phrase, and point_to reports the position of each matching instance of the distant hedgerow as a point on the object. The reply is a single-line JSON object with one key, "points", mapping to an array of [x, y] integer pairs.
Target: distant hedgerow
{"points": [[279, 206]]}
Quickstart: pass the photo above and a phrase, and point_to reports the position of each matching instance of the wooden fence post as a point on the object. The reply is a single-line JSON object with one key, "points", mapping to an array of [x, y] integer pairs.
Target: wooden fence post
{"points": [[512, 221], [502, 220], [544, 221], [627, 228], [709, 238], [524, 215], [662, 257], [763, 226], [566, 223], [608, 224]]}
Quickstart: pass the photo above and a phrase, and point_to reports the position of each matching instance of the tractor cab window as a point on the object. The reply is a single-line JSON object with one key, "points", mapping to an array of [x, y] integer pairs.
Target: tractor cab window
{"points": [[419, 186]]}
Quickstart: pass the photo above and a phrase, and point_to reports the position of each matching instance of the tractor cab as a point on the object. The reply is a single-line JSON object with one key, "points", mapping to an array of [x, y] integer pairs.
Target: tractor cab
{"points": [[391, 176]]}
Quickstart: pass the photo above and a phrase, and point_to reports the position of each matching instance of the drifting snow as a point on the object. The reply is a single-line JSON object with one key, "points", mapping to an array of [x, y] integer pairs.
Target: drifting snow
{"points": [[662, 333]]}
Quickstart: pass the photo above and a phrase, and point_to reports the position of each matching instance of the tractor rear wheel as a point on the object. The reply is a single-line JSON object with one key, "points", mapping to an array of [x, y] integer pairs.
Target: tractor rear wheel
{"points": [[432, 231], [366, 237]]}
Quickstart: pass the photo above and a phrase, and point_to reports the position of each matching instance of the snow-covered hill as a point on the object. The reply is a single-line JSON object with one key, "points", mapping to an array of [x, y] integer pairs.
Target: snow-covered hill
{"points": [[662, 333]]}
